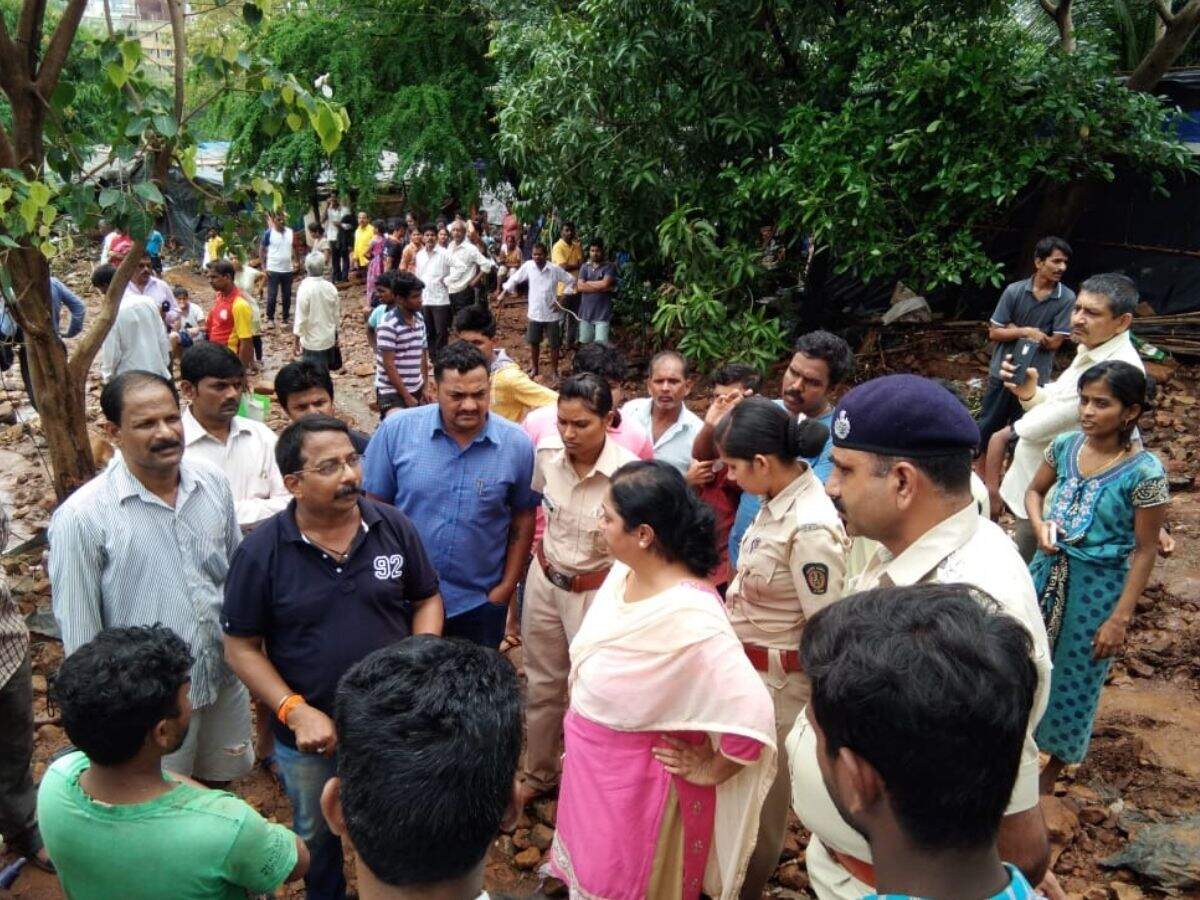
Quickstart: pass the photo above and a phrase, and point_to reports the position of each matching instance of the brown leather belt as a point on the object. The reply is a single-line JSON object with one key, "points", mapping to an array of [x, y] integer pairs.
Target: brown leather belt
{"points": [[760, 658], [576, 584], [863, 871]]}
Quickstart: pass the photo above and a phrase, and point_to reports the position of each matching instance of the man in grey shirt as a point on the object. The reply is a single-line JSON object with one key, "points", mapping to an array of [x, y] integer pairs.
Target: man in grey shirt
{"points": [[147, 541], [1036, 308]]}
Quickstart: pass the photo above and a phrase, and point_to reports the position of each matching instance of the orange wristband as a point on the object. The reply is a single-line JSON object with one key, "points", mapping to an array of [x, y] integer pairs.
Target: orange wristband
{"points": [[286, 705]]}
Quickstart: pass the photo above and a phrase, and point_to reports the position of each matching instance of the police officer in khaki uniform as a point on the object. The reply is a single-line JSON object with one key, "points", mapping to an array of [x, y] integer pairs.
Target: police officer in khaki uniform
{"points": [[902, 450], [571, 470], [791, 564]]}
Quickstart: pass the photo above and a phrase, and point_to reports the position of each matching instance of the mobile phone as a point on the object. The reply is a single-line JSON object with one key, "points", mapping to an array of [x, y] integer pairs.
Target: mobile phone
{"points": [[1053, 533], [1021, 357]]}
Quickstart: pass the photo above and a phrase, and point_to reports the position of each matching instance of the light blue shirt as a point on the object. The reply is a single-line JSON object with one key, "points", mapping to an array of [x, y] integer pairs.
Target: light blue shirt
{"points": [[154, 243], [675, 444], [822, 465], [1018, 889], [461, 499]]}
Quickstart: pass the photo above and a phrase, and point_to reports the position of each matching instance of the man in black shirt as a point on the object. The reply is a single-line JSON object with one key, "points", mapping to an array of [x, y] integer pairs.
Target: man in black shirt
{"points": [[310, 592]]}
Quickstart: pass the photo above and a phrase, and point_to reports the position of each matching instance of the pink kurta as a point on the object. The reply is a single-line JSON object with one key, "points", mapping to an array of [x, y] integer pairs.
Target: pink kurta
{"points": [[611, 804]]}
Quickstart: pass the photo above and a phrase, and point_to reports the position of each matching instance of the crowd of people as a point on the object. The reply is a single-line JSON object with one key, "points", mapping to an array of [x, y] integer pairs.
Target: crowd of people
{"points": [[800, 603]]}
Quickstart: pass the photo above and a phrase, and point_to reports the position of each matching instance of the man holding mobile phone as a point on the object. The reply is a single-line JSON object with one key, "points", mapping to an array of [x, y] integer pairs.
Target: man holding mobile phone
{"points": [[1037, 310]]}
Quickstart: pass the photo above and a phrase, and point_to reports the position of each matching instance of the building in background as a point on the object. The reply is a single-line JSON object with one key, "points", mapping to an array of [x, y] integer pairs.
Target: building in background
{"points": [[148, 20]]}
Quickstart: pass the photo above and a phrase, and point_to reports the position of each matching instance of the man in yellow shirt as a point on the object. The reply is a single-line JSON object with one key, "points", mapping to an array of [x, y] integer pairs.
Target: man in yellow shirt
{"points": [[567, 253], [513, 392], [363, 235]]}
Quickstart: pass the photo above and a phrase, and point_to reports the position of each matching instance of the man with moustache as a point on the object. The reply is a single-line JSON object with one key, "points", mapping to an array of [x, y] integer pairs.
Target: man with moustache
{"points": [[311, 592], [148, 541], [663, 415], [212, 379]]}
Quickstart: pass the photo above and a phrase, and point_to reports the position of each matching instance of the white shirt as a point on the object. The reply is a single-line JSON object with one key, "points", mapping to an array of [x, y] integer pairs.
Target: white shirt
{"points": [[964, 548], [137, 340], [333, 221], [543, 289], [279, 250], [432, 269], [465, 261], [317, 314], [247, 281], [106, 245], [1054, 410], [192, 318], [675, 444], [247, 458]]}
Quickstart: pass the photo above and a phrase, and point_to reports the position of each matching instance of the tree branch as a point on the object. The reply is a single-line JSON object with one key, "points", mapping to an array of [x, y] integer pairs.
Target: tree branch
{"points": [[29, 32], [60, 45], [8, 153], [1167, 49], [790, 63], [1061, 14], [1163, 8], [12, 77], [179, 39], [91, 340]]}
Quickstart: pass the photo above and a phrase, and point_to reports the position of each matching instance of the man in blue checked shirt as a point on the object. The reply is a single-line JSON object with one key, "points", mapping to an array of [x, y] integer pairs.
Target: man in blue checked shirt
{"points": [[463, 477], [920, 702]]}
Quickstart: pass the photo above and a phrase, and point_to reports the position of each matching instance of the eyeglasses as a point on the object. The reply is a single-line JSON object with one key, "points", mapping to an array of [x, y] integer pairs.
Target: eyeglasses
{"points": [[327, 468]]}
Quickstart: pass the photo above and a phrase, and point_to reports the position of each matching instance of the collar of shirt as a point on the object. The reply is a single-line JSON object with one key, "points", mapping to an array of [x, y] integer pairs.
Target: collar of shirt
{"points": [[687, 421], [290, 531], [127, 485], [783, 502], [500, 359], [436, 427], [193, 431], [1053, 295], [927, 551], [1018, 888], [610, 459], [1089, 356]]}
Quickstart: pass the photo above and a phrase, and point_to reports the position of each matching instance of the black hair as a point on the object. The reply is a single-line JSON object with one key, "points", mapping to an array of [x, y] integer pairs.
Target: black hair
{"points": [[600, 358], [475, 318], [299, 376], [179, 290], [541, 245], [115, 688], [756, 426], [102, 276], [593, 390], [289, 455], [652, 492], [460, 357], [112, 398], [429, 736], [596, 242], [1128, 384], [222, 267], [1047, 245], [669, 354], [1119, 290], [569, 224], [737, 373], [315, 227], [402, 284], [832, 349], [950, 472], [204, 359], [429, 226], [379, 225], [932, 685]]}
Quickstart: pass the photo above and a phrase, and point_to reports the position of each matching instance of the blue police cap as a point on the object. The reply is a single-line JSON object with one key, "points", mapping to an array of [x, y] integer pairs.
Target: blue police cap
{"points": [[903, 415]]}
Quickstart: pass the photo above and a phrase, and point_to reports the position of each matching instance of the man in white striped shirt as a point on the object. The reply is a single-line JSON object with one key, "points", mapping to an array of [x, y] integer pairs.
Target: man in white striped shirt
{"points": [[147, 541]]}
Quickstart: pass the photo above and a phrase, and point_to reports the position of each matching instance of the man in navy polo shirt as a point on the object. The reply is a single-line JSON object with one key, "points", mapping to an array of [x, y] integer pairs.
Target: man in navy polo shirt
{"points": [[310, 592], [463, 477]]}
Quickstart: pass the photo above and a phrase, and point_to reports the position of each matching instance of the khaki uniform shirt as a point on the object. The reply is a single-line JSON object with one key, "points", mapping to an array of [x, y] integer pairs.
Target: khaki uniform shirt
{"points": [[792, 562], [963, 548], [573, 541]]}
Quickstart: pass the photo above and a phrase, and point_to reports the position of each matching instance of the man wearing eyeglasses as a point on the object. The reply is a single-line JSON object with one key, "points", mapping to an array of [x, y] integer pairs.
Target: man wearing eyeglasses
{"points": [[310, 592]]}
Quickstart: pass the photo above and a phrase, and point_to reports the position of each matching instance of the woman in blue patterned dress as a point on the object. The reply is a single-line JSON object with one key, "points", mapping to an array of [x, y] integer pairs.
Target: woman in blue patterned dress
{"points": [[1104, 500]]}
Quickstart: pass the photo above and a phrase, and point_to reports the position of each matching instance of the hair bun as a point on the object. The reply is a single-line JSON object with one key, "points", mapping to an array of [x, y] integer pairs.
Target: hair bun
{"points": [[807, 437]]}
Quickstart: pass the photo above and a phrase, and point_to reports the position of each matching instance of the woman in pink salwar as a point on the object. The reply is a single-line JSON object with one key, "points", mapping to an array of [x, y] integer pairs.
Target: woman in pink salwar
{"points": [[670, 735]]}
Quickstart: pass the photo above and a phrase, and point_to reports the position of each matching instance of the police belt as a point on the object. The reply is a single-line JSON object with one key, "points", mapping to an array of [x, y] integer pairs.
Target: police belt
{"points": [[576, 584], [760, 658]]}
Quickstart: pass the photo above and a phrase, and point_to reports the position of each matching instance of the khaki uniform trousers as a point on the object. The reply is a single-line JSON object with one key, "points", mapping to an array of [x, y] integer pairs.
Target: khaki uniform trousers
{"points": [[549, 621], [790, 693]]}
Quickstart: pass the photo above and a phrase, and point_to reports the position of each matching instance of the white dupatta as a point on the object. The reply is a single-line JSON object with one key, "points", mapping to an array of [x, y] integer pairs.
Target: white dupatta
{"points": [[672, 662]]}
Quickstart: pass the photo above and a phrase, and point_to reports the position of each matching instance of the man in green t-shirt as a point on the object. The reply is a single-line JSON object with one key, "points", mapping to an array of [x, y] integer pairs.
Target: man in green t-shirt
{"points": [[116, 824]]}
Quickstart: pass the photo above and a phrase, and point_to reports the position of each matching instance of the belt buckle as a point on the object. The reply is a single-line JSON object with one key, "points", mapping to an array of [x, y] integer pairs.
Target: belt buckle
{"points": [[559, 579]]}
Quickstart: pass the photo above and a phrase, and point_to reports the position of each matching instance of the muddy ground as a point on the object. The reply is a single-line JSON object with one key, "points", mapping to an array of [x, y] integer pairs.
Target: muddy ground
{"points": [[1144, 765]]}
